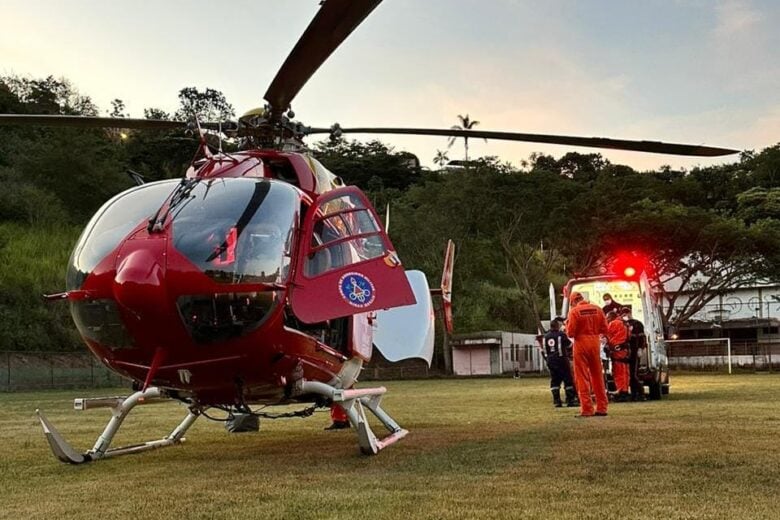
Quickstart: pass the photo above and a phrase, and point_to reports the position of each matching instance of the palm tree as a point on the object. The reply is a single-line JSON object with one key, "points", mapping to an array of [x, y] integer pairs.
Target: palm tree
{"points": [[441, 158], [465, 124]]}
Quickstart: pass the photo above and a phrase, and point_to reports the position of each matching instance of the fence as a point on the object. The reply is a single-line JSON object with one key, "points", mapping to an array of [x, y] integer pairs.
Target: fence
{"points": [[61, 370], [713, 355], [50, 370]]}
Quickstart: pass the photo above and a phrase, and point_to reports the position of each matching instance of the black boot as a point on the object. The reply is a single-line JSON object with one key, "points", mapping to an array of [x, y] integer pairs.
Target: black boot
{"points": [[338, 425], [571, 397], [556, 393]]}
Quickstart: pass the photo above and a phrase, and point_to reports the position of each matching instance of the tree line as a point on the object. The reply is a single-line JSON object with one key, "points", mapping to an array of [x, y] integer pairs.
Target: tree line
{"points": [[517, 228]]}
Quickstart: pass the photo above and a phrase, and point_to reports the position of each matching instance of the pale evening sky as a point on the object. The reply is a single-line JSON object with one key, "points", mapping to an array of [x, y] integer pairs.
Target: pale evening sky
{"points": [[692, 71]]}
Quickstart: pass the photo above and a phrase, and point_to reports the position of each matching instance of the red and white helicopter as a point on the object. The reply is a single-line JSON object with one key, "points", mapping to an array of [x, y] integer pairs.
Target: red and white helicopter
{"points": [[257, 278]]}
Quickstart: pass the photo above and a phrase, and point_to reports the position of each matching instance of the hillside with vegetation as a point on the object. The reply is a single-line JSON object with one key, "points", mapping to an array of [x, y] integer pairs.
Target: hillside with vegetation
{"points": [[517, 228]]}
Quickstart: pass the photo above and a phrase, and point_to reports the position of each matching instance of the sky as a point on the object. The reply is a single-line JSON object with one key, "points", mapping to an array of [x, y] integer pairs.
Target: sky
{"points": [[690, 71]]}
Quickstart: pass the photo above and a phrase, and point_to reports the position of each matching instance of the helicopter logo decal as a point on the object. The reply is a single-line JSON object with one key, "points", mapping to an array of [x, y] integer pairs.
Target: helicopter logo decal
{"points": [[356, 289]]}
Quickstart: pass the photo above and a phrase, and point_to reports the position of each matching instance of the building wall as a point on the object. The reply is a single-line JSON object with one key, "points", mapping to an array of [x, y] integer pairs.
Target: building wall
{"points": [[740, 304], [473, 361], [495, 352], [520, 351]]}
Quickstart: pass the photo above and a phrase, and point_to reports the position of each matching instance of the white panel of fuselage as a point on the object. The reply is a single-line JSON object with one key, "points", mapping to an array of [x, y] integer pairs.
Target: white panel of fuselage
{"points": [[407, 332]]}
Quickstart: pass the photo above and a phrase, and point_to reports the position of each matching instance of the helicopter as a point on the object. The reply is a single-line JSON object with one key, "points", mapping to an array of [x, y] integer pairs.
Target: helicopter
{"points": [[258, 278]]}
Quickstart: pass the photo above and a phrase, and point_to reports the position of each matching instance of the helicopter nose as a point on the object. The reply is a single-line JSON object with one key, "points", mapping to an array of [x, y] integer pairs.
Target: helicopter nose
{"points": [[138, 284]]}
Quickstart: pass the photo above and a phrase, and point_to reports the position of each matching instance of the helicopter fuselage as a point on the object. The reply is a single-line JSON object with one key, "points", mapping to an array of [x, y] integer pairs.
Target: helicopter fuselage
{"points": [[195, 298]]}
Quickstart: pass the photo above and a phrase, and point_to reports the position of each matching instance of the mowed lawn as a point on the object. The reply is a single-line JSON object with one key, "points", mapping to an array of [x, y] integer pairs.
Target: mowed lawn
{"points": [[489, 448]]}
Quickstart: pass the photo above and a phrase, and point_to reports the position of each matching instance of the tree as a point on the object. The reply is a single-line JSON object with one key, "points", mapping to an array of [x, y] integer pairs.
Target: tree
{"points": [[372, 165], [529, 266], [696, 254], [48, 96], [156, 113], [118, 109], [441, 158], [466, 123], [209, 105]]}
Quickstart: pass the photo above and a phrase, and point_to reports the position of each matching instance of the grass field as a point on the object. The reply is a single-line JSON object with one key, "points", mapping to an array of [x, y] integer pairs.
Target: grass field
{"points": [[477, 449]]}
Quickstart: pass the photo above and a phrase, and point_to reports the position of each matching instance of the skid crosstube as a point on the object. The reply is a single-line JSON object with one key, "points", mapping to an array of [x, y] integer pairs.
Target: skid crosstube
{"points": [[355, 403]]}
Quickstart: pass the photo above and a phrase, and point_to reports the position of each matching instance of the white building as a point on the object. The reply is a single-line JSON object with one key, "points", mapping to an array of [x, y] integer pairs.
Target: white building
{"points": [[495, 353], [749, 317]]}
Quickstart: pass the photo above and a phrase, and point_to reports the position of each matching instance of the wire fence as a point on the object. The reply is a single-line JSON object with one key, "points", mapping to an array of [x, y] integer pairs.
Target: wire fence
{"points": [[713, 355], [54, 370], [62, 370]]}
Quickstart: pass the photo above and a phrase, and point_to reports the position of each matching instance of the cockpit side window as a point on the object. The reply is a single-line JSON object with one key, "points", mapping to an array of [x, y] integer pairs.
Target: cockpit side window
{"points": [[111, 224]]}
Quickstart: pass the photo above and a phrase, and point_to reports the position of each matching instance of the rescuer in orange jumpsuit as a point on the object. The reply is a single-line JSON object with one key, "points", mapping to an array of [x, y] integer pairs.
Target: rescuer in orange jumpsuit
{"points": [[617, 343], [338, 417], [585, 324]]}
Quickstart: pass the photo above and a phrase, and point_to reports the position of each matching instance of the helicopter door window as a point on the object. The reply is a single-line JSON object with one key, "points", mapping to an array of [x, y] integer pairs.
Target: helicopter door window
{"points": [[337, 205], [347, 264], [346, 235]]}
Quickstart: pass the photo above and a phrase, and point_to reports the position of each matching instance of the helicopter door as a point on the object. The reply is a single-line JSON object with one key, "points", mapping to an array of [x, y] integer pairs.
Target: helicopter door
{"points": [[346, 264]]}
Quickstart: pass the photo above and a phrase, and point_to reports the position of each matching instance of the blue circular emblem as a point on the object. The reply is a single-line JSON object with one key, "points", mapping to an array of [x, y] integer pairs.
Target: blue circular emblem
{"points": [[356, 289]]}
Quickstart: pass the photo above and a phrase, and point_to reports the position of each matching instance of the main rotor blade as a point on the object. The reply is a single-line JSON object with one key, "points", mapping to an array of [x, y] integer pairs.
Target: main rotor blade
{"points": [[89, 122], [592, 142], [335, 20]]}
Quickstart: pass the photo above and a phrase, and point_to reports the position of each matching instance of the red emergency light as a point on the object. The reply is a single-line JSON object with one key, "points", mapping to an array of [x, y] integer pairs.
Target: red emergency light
{"points": [[629, 265]]}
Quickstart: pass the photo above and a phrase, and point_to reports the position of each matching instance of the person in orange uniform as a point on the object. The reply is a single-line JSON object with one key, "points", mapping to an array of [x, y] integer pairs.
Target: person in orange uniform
{"points": [[617, 343], [339, 418], [585, 325]]}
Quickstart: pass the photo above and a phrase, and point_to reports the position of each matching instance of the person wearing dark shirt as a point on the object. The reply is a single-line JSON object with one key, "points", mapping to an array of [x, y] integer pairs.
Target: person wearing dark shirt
{"points": [[636, 342], [610, 304], [555, 349]]}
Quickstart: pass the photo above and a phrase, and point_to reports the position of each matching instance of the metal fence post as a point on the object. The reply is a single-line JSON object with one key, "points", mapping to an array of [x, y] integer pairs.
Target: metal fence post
{"points": [[8, 367], [728, 346], [769, 330]]}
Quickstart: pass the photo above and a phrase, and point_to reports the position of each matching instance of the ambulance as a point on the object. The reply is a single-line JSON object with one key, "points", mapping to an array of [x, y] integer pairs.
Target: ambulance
{"points": [[631, 289]]}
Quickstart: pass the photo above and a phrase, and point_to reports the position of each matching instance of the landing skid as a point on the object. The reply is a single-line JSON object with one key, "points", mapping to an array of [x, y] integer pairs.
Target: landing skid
{"points": [[120, 408], [355, 402]]}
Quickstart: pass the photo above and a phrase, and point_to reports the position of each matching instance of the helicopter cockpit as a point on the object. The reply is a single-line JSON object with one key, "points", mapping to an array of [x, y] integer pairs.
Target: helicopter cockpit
{"points": [[238, 230]]}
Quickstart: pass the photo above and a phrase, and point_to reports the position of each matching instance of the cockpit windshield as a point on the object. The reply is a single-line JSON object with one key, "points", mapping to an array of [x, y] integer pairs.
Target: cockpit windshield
{"points": [[238, 230]]}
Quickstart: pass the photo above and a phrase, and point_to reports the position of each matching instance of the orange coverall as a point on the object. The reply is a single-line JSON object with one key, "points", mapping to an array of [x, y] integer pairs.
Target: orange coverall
{"points": [[617, 338], [337, 413], [585, 324]]}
